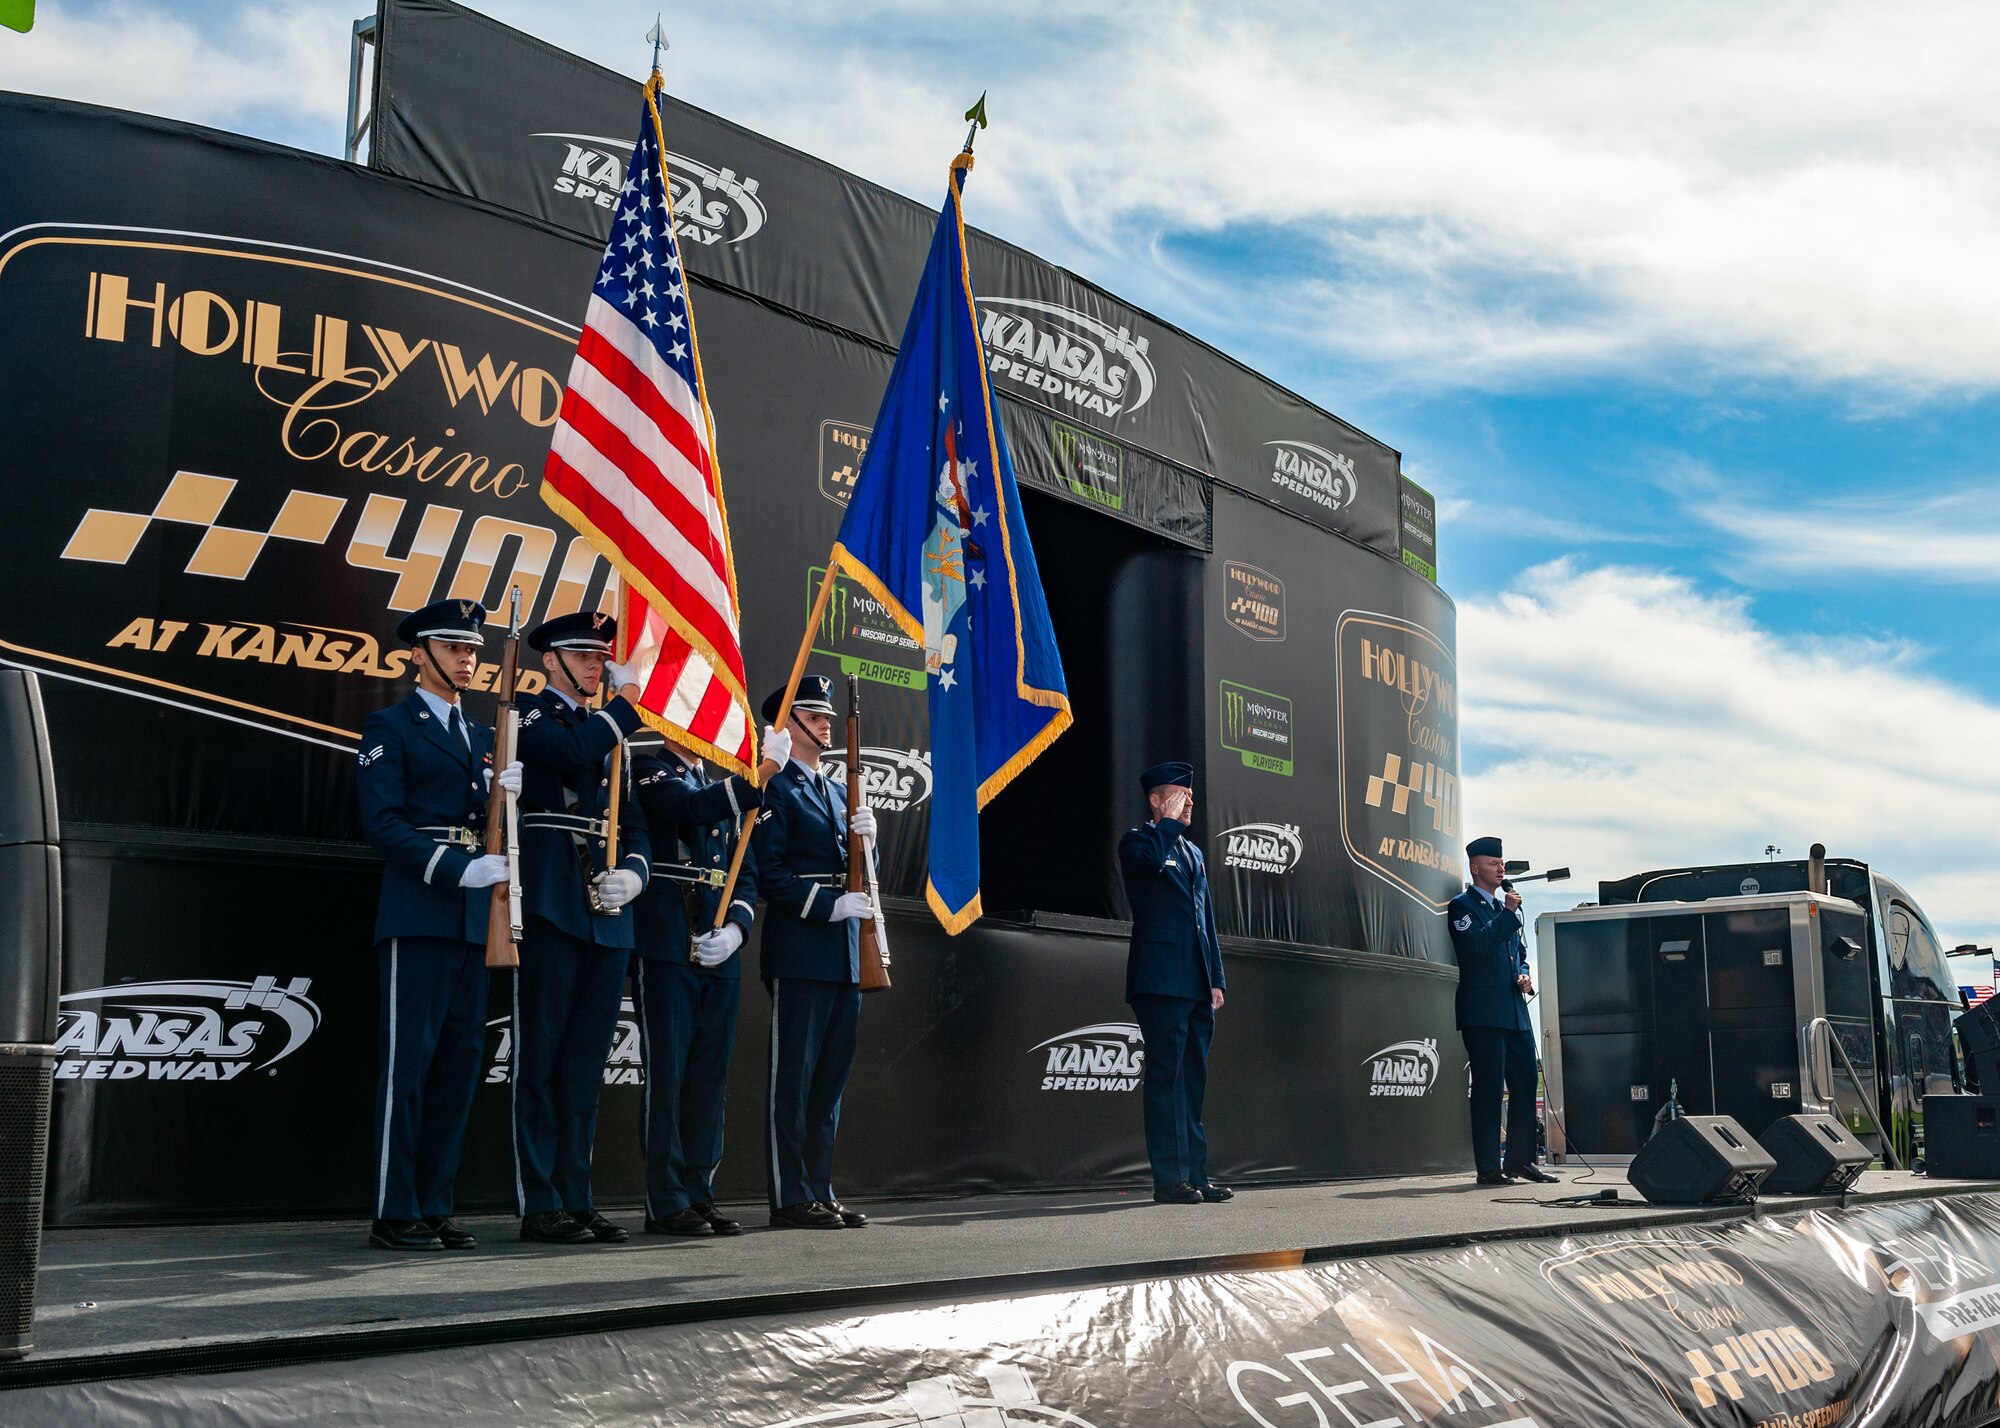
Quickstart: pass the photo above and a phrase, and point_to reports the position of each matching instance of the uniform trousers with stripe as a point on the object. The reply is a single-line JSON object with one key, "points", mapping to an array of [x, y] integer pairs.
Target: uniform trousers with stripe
{"points": [[687, 1029], [813, 1037], [1177, 1032], [567, 995], [432, 1038]]}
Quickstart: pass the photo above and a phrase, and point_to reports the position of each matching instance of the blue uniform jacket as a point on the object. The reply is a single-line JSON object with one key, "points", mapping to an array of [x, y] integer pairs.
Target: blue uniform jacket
{"points": [[565, 768], [692, 820], [1491, 954], [415, 773], [801, 852], [1175, 952]]}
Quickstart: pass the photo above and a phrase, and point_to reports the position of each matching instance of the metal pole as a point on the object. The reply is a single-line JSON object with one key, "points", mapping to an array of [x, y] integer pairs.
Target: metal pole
{"points": [[358, 122]]}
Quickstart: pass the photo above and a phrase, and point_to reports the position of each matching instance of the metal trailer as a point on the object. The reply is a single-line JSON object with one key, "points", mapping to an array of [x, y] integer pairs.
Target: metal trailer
{"points": [[1745, 992]]}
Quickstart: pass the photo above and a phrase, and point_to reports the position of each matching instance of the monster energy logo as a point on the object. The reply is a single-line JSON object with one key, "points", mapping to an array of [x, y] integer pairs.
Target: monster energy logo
{"points": [[1092, 467], [858, 630], [1257, 725]]}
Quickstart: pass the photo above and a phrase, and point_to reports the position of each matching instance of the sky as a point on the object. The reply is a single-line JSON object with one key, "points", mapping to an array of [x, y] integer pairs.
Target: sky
{"points": [[1689, 315]]}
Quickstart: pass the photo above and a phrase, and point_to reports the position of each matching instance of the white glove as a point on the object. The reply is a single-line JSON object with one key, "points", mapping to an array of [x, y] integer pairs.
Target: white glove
{"points": [[619, 675], [712, 949], [510, 778], [617, 887], [861, 823], [777, 746], [849, 907], [484, 871]]}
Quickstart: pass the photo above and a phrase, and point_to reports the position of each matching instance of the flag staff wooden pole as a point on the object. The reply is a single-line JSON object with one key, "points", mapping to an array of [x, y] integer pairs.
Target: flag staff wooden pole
{"points": [[766, 769]]}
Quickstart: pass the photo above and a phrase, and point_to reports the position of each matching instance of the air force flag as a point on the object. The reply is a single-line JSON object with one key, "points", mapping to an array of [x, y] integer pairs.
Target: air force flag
{"points": [[934, 531]]}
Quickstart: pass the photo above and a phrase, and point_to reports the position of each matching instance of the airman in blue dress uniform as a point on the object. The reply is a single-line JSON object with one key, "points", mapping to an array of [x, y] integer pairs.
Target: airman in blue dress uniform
{"points": [[1493, 984], [687, 978], [571, 980], [811, 964], [1174, 982], [424, 773]]}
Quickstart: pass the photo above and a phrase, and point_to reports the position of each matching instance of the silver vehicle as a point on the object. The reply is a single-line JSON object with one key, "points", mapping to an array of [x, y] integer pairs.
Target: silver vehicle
{"points": [[1752, 997]]}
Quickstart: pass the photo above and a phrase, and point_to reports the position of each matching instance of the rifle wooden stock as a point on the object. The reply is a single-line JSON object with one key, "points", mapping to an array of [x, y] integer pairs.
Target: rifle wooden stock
{"points": [[860, 872], [503, 929]]}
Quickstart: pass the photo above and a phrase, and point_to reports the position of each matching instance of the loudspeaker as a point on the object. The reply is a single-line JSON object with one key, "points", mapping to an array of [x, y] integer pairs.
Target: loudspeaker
{"points": [[1700, 1160], [1979, 1036], [1815, 1155], [1962, 1137]]}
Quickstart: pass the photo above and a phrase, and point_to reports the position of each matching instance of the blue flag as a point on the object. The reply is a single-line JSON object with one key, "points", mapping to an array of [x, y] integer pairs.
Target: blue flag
{"points": [[934, 531]]}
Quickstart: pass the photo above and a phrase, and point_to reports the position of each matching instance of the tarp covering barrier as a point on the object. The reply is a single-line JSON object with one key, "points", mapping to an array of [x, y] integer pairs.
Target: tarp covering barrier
{"points": [[1883, 1314]]}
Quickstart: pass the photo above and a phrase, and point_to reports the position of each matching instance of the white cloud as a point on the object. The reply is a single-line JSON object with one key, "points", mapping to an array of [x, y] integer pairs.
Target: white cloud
{"points": [[1951, 538], [1620, 720], [1466, 195], [277, 71]]}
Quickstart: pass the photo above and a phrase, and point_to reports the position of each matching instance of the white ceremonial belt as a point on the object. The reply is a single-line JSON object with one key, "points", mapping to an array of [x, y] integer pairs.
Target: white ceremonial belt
{"points": [[453, 837], [571, 823]]}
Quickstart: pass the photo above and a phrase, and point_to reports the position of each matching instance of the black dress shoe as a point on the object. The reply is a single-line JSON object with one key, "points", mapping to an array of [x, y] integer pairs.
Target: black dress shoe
{"points": [[1498, 1178], [853, 1219], [1534, 1173], [1216, 1194], [718, 1221], [601, 1229], [810, 1216], [681, 1222], [554, 1227], [403, 1235], [1177, 1195], [449, 1233]]}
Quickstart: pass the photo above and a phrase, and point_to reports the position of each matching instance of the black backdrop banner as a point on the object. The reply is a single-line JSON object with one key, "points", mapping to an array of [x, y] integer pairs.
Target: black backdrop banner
{"points": [[262, 403], [1880, 1314], [468, 104]]}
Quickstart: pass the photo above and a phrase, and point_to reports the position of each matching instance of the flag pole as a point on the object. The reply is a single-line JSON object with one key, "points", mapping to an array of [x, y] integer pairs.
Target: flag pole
{"points": [[767, 769], [621, 646]]}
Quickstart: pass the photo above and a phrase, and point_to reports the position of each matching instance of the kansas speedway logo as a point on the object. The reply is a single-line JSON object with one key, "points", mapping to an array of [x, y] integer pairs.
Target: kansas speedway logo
{"points": [[182, 1030], [1059, 353], [892, 780], [1108, 1056], [1403, 1068], [1262, 847], [623, 1067], [1326, 478], [711, 205]]}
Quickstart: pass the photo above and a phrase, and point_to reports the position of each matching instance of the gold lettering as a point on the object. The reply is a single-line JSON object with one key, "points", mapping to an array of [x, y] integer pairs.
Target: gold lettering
{"points": [[481, 381], [111, 298], [192, 319], [138, 635]]}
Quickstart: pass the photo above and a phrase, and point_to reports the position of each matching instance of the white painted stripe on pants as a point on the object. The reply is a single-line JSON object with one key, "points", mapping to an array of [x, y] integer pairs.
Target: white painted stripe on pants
{"points": [[514, 1098], [388, 1090], [646, 1096], [771, 1106]]}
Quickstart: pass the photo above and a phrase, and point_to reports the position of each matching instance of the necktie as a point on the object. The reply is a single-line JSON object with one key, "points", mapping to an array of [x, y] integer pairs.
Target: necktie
{"points": [[458, 727]]}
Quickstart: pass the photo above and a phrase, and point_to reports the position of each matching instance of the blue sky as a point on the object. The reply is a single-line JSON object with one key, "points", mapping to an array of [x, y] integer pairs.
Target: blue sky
{"points": [[1689, 317]]}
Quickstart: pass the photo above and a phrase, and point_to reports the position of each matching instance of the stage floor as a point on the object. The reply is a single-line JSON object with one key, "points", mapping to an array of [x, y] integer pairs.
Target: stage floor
{"points": [[134, 1302]]}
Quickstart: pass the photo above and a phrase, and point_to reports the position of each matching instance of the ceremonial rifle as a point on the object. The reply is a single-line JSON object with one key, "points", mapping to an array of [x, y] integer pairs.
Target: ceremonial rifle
{"points": [[861, 857], [503, 814]]}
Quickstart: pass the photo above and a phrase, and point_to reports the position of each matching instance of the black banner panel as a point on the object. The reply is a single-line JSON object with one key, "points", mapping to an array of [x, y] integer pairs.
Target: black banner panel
{"points": [[261, 404], [1332, 798], [468, 104], [1880, 1314]]}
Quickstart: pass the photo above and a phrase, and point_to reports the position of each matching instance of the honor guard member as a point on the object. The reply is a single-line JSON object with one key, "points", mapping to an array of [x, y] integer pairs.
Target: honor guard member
{"points": [[1493, 986], [1174, 982], [575, 943], [423, 783], [687, 978], [811, 963]]}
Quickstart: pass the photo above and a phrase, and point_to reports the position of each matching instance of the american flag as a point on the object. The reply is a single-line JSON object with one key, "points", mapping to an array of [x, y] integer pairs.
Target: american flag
{"points": [[632, 466]]}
